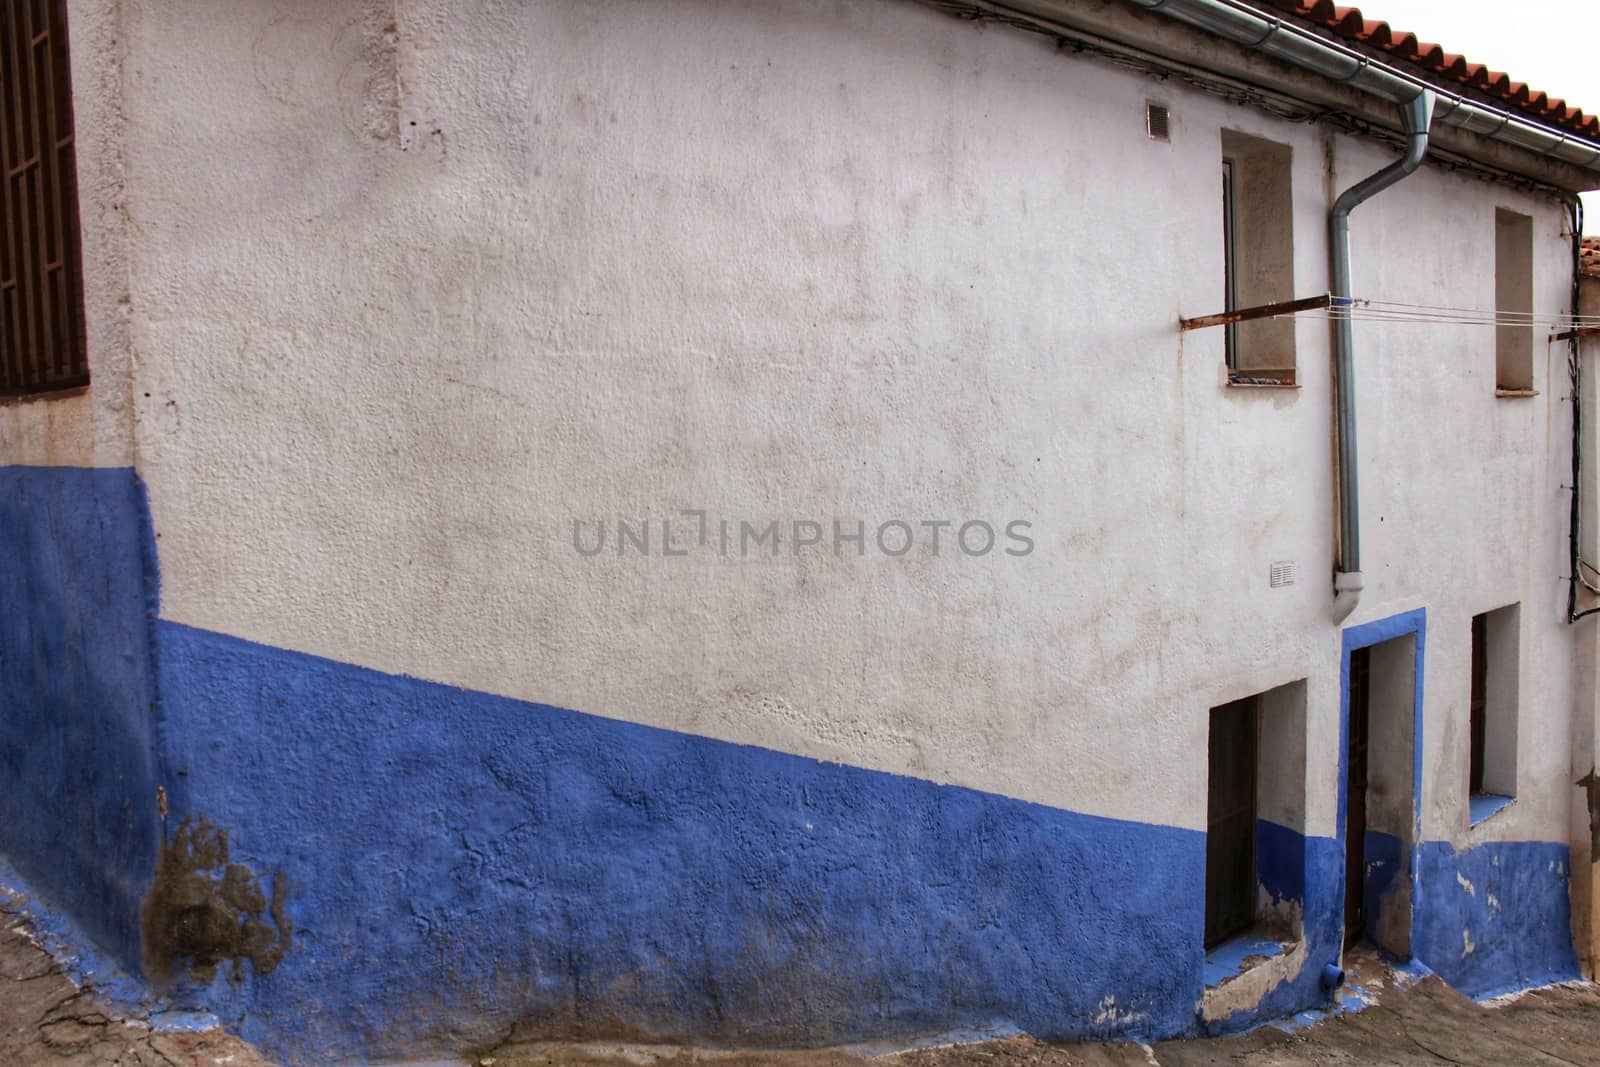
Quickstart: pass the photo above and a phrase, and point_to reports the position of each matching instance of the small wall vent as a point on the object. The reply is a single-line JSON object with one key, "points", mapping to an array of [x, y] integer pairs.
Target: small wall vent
{"points": [[1281, 574], [1156, 121]]}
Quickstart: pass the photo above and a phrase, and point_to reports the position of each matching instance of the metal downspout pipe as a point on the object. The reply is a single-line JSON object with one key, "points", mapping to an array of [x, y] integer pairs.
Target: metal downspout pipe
{"points": [[1415, 116]]}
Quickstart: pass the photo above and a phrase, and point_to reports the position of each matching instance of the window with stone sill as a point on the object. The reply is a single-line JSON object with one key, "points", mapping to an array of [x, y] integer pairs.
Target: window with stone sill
{"points": [[41, 275], [1258, 257]]}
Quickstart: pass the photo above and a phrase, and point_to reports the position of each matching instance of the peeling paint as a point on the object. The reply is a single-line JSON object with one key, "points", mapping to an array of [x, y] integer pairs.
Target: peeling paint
{"points": [[1247, 992], [1591, 788], [1110, 1015], [1515, 933]]}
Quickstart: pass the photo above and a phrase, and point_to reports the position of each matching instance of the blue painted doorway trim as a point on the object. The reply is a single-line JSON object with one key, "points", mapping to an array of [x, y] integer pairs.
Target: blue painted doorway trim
{"points": [[1364, 636]]}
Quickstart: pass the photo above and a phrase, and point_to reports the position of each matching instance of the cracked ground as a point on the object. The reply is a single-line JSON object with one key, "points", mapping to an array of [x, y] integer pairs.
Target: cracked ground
{"points": [[47, 1021]]}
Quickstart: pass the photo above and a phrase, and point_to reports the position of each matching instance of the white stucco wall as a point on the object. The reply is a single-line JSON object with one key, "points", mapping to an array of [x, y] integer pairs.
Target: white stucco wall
{"points": [[409, 297]]}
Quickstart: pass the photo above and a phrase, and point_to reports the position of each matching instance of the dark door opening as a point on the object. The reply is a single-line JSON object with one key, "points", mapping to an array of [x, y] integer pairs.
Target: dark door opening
{"points": [[1477, 717], [1355, 826], [1231, 821]]}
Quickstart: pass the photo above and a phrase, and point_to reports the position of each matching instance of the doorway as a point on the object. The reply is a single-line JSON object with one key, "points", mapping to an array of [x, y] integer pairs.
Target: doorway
{"points": [[1231, 820], [1355, 835], [1380, 780]]}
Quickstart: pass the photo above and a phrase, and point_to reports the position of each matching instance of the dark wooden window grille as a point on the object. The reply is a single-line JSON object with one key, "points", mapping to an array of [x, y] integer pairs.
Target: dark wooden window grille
{"points": [[41, 272]]}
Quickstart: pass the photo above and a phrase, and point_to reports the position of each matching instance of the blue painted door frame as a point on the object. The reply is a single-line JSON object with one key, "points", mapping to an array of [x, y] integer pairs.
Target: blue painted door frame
{"points": [[1364, 636]]}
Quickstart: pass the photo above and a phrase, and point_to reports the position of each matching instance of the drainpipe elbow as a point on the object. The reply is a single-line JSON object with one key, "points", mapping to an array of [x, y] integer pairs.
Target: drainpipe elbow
{"points": [[1347, 586]]}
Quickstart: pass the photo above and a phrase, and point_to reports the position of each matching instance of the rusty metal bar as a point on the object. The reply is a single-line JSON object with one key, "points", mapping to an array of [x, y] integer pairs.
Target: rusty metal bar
{"points": [[1585, 331], [1264, 311]]}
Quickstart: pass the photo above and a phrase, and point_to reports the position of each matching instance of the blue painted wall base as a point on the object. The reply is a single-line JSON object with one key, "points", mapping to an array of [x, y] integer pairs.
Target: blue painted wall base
{"points": [[458, 864], [1508, 928], [587, 876], [78, 750]]}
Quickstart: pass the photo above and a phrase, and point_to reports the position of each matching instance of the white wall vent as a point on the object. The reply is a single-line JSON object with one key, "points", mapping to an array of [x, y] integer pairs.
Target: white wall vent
{"points": [[1281, 574]]}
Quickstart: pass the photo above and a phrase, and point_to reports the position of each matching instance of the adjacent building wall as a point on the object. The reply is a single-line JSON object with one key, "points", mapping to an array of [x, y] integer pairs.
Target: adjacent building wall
{"points": [[78, 737], [1585, 806]]}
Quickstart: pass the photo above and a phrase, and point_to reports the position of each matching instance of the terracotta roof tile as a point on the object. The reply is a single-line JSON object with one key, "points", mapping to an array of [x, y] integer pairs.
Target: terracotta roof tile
{"points": [[1446, 69], [1590, 257]]}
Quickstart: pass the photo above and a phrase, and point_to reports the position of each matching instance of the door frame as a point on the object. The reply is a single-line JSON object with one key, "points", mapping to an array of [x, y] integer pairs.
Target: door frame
{"points": [[1408, 623], [1248, 889]]}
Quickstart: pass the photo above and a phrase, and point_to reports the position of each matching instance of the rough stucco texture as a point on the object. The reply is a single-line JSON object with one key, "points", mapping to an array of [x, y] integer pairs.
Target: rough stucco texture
{"points": [[777, 259], [78, 761], [787, 260], [593, 876]]}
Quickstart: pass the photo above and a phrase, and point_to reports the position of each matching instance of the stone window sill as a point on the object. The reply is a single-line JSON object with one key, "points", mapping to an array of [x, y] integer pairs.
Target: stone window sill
{"points": [[1240, 972], [1263, 385], [1482, 807], [1240, 955], [1515, 394]]}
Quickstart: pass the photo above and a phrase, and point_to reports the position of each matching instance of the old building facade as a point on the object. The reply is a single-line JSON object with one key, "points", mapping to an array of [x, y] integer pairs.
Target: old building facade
{"points": [[702, 520]]}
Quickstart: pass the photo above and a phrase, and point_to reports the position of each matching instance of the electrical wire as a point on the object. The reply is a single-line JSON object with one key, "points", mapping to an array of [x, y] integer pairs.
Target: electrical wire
{"points": [[1561, 325], [1587, 584], [1576, 563], [1442, 320], [1362, 310], [1467, 316], [1400, 305], [1472, 318]]}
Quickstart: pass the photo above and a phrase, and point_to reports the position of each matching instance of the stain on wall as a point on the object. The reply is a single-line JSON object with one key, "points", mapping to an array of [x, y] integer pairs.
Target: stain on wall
{"points": [[205, 910], [1590, 784]]}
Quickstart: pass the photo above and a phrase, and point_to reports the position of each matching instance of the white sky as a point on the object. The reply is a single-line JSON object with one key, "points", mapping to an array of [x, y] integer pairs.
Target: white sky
{"points": [[1552, 45]]}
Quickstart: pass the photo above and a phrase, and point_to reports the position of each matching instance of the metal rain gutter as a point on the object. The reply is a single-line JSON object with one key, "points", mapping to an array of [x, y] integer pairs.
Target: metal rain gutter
{"points": [[1293, 44], [1414, 117]]}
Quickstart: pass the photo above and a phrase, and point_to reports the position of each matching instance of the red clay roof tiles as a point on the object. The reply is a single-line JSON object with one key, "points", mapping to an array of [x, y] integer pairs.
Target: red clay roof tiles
{"points": [[1589, 258], [1448, 70]]}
